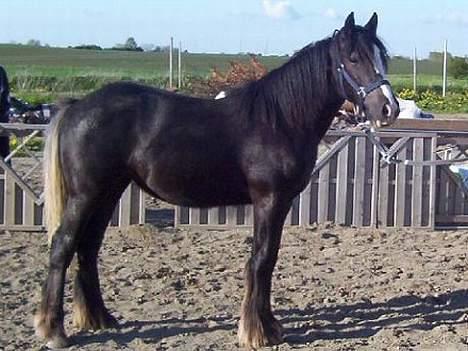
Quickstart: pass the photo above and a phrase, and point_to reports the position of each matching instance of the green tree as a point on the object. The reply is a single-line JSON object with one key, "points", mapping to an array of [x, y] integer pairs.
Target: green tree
{"points": [[131, 44], [33, 42], [458, 67]]}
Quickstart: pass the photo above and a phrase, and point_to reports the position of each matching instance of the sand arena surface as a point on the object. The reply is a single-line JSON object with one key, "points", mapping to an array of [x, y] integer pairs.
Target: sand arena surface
{"points": [[333, 289]]}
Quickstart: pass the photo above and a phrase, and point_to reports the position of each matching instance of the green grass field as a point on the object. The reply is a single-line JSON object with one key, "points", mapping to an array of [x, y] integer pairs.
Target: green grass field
{"points": [[59, 62], [38, 73]]}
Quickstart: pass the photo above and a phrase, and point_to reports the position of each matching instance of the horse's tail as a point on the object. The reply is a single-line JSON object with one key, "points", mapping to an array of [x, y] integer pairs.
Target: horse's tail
{"points": [[55, 192]]}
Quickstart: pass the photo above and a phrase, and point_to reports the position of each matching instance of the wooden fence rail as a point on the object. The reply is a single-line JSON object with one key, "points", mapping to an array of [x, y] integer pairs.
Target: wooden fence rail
{"points": [[353, 186], [21, 206]]}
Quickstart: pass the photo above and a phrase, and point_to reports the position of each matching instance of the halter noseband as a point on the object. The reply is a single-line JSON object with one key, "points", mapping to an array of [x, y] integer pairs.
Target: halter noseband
{"points": [[361, 92]]}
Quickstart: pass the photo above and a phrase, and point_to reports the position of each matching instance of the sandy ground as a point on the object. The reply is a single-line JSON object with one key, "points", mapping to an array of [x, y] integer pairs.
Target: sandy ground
{"points": [[334, 289]]}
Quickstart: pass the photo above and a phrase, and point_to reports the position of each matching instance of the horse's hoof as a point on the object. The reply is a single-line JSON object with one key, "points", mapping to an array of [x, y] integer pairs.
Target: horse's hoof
{"points": [[109, 321], [83, 319], [277, 333], [255, 338], [58, 342]]}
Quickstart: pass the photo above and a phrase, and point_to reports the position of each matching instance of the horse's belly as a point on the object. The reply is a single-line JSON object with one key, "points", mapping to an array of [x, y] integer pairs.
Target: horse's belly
{"points": [[203, 192], [197, 182]]}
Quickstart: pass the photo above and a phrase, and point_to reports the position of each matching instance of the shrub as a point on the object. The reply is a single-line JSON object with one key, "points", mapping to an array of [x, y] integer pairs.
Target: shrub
{"points": [[429, 100], [35, 144]]}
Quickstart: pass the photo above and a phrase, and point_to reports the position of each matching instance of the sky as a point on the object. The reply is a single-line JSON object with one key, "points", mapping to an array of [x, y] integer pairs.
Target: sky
{"points": [[260, 26]]}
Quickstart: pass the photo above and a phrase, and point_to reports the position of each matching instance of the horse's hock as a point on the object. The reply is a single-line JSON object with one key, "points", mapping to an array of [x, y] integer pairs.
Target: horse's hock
{"points": [[351, 185]]}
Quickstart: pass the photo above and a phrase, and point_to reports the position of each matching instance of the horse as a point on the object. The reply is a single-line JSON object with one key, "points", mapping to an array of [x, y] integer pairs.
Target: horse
{"points": [[257, 145]]}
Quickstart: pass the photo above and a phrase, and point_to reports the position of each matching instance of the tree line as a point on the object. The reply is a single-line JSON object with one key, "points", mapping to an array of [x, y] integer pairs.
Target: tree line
{"points": [[129, 45]]}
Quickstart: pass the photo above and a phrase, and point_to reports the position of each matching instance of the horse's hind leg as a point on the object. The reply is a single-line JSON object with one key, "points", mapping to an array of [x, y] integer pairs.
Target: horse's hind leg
{"points": [[49, 319], [89, 311]]}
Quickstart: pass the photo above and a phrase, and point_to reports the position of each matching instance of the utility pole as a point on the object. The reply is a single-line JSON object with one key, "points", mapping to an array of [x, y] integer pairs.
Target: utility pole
{"points": [[444, 74], [179, 80], [415, 63]]}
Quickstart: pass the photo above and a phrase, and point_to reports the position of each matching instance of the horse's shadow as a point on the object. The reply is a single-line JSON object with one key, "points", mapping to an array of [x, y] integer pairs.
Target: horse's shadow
{"points": [[303, 326]]}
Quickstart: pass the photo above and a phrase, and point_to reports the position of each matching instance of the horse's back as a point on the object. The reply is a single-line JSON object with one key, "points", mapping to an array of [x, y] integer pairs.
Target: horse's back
{"points": [[177, 147]]}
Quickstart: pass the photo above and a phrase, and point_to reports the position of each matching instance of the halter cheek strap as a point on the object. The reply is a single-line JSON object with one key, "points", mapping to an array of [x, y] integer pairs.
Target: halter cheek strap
{"points": [[362, 92]]}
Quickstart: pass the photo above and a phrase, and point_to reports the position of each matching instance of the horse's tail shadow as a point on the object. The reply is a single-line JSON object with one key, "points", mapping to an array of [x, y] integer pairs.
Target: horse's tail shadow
{"points": [[55, 193]]}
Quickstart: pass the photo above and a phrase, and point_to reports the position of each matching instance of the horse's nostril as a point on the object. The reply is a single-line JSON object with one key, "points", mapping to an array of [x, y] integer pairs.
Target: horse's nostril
{"points": [[387, 110]]}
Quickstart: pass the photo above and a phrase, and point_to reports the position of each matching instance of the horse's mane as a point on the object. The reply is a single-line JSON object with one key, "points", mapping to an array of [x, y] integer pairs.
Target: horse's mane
{"points": [[287, 93]]}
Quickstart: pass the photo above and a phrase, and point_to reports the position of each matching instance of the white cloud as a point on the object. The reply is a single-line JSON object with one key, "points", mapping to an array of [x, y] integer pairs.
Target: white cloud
{"points": [[279, 9], [330, 13], [333, 14]]}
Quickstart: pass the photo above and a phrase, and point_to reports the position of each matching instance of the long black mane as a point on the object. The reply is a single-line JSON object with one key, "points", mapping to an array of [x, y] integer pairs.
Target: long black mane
{"points": [[293, 93]]}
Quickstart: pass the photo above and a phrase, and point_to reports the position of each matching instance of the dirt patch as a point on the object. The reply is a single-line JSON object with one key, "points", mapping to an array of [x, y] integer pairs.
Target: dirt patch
{"points": [[334, 289]]}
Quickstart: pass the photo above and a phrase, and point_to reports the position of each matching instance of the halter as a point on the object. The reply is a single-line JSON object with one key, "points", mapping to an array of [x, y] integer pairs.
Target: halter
{"points": [[361, 92]]}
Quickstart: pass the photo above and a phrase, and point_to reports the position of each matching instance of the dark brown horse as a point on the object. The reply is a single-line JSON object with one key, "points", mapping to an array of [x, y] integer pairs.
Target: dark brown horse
{"points": [[257, 145]]}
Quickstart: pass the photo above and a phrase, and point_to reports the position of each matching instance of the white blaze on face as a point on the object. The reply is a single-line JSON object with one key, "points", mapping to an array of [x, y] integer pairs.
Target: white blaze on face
{"points": [[380, 69]]}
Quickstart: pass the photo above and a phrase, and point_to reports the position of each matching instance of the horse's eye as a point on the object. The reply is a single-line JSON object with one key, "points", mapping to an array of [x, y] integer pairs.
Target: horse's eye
{"points": [[354, 57]]}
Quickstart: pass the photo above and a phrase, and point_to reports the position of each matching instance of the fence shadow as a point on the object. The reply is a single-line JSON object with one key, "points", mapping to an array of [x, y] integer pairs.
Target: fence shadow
{"points": [[365, 319], [360, 320]]}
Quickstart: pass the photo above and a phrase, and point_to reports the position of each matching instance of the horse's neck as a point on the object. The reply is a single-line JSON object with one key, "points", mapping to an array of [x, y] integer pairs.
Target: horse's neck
{"points": [[321, 121], [305, 103]]}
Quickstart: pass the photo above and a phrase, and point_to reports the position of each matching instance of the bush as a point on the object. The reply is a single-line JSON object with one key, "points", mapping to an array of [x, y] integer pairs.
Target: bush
{"points": [[431, 101], [238, 73], [35, 144]]}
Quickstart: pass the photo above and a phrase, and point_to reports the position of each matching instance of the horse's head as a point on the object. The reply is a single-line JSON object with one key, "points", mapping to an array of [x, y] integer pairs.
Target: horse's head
{"points": [[360, 65]]}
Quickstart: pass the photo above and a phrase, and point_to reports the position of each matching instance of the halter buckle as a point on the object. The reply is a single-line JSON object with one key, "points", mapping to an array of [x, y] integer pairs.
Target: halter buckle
{"points": [[362, 92]]}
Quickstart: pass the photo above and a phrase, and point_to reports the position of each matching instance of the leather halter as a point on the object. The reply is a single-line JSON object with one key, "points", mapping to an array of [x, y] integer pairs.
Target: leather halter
{"points": [[361, 91]]}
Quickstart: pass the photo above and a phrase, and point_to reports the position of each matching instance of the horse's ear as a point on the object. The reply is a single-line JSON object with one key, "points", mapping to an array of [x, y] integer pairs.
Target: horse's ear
{"points": [[349, 23], [371, 26]]}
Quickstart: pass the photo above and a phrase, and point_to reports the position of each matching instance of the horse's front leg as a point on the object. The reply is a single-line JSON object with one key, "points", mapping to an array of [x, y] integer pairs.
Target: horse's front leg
{"points": [[258, 327]]}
